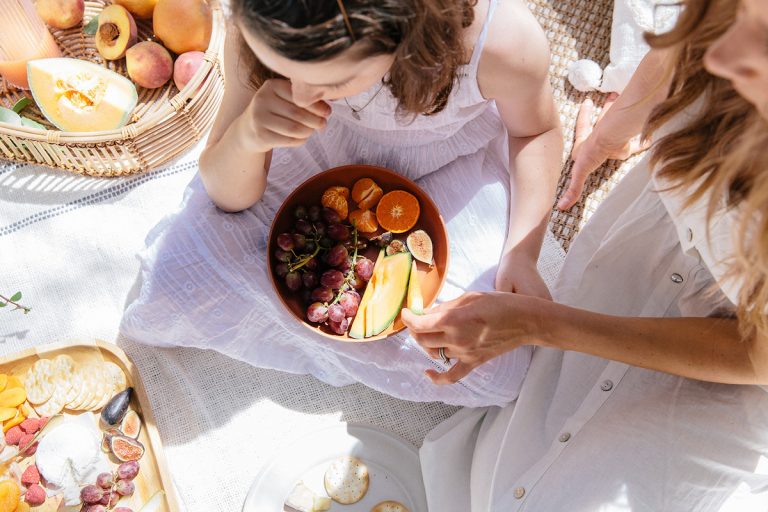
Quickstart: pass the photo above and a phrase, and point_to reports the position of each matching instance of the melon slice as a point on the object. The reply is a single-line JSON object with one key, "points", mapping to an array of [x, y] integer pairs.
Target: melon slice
{"points": [[359, 325], [390, 291], [80, 96], [415, 300]]}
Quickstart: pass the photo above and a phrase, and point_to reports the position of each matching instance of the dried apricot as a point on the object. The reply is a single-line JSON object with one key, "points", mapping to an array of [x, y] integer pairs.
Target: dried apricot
{"points": [[12, 397], [335, 198], [366, 193], [6, 413], [364, 221], [14, 382], [16, 420], [9, 496], [398, 211], [3, 381]]}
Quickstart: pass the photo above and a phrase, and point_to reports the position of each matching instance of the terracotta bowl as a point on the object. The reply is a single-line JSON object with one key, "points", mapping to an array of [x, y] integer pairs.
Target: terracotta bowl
{"points": [[309, 193]]}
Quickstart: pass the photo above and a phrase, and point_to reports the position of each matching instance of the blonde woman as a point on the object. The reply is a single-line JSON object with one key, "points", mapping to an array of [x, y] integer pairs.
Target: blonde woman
{"points": [[647, 389]]}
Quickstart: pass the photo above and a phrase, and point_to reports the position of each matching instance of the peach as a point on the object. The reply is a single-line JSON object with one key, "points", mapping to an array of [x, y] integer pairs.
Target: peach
{"points": [[116, 32], [139, 8], [186, 66], [183, 25], [149, 64], [61, 13]]}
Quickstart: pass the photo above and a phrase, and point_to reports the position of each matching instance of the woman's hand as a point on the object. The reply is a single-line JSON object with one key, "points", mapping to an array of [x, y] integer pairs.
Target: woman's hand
{"points": [[474, 329], [520, 275], [275, 121], [592, 147]]}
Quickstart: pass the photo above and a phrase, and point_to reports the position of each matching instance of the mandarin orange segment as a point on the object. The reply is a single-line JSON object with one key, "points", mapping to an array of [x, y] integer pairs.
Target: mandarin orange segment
{"points": [[335, 198], [398, 211], [9, 496], [366, 193], [364, 221]]}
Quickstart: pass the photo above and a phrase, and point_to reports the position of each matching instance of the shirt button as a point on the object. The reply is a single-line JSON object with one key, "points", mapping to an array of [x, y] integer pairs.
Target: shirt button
{"points": [[689, 233], [519, 492], [606, 385], [564, 437], [676, 278]]}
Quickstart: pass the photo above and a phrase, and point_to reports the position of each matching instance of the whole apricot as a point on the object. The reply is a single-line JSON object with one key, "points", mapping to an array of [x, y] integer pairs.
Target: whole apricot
{"points": [[183, 25], [61, 13], [139, 8], [149, 64], [186, 66], [116, 32]]}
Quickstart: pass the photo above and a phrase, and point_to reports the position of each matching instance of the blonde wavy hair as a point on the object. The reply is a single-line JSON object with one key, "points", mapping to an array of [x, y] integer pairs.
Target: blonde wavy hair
{"points": [[721, 152]]}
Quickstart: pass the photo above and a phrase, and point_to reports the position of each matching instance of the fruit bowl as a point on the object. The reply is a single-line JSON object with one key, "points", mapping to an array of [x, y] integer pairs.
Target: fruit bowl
{"points": [[165, 123], [430, 276]]}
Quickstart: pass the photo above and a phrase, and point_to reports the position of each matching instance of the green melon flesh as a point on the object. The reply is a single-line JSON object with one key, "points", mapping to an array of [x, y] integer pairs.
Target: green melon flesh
{"points": [[80, 96]]}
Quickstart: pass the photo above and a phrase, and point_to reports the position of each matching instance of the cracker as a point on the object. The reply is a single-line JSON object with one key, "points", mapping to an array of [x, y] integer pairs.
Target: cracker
{"points": [[53, 405], [86, 389], [74, 395], [390, 506], [346, 480], [117, 376], [103, 388], [38, 381]]}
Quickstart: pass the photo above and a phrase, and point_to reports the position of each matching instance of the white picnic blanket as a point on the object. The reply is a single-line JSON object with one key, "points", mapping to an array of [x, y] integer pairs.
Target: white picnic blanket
{"points": [[69, 244]]}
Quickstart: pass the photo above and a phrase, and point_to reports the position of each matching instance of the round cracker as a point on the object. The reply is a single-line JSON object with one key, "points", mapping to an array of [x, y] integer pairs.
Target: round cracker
{"points": [[390, 506], [38, 382], [346, 480], [117, 376], [53, 405], [74, 396], [86, 393], [63, 367], [103, 388]]}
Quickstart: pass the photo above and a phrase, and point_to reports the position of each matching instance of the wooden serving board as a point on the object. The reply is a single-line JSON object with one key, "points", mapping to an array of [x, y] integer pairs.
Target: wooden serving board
{"points": [[153, 475]]}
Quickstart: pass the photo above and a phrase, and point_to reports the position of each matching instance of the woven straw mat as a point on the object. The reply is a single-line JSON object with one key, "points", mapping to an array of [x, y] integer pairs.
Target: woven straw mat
{"points": [[577, 29]]}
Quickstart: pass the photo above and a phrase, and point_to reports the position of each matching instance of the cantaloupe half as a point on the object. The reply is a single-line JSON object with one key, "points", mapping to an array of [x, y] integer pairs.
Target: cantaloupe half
{"points": [[383, 297], [80, 96], [415, 300]]}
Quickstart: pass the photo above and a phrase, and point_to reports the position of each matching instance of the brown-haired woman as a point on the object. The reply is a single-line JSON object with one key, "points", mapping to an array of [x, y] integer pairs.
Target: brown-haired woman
{"points": [[647, 391], [453, 94]]}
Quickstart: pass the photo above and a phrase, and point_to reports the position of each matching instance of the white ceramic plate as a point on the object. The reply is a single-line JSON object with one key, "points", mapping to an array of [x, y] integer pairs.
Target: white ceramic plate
{"points": [[393, 465]]}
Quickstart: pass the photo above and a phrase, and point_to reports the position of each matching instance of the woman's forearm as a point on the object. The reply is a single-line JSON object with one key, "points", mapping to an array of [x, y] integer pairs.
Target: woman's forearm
{"points": [[709, 349], [233, 173], [534, 170]]}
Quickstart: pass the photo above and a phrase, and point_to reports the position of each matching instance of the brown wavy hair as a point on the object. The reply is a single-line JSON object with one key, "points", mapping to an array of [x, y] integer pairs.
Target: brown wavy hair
{"points": [[424, 35], [721, 152]]}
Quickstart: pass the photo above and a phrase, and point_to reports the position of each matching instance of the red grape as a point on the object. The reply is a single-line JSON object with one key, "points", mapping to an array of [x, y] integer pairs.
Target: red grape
{"points": [[105, 480], [317, 312], [285, 241], [91, 494], [336, 256], [303, 227], [310, 280], [364, 268], [128, 470], [313, 213], [319, 228], [350, 300], [299, 241], [338, 232], [322, 294], [300, 212], [282, 255], [281, 269], [345, 265], [125, 487], [336, 313], [330, 216], [332, 279], [293, 281], [311, 264], [339, 327]]}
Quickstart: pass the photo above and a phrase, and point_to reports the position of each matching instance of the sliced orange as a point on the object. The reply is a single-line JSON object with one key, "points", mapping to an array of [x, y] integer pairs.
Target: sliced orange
{"points": [[366, 193], [335, 198], [398, 211], [364, 221]]}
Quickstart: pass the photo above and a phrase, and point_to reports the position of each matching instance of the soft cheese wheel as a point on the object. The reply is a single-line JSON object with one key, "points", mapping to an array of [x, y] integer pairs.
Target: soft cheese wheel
{"points": [[66, 453], [346, 480]]}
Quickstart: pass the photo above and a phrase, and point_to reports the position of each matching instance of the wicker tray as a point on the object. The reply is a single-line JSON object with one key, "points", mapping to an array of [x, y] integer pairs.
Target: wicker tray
{"points": [[165, 123]]}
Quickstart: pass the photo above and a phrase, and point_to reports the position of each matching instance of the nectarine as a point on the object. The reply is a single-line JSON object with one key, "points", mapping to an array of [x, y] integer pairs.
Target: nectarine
{"points": [[149, 64]]}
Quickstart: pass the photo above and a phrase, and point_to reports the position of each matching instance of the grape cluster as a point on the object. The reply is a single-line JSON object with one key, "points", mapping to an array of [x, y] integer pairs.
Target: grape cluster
{"points": [[319, 259], [109, 488]]}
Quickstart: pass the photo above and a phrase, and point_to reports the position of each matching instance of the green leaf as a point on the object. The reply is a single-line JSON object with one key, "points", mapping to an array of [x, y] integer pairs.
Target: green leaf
{"points": [[21, 105], [3, 304], [16, 297], [92, 26], [32, 124], [9, 116]]}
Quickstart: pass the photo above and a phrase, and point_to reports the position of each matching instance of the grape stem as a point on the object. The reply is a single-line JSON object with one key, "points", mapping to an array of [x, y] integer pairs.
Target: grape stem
{"points": [[303, 261], [350, 272]]}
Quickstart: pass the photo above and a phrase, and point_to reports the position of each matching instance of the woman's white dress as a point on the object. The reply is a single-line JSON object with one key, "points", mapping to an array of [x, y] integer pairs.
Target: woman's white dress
{"points": [[204, 276], [587, 434]]}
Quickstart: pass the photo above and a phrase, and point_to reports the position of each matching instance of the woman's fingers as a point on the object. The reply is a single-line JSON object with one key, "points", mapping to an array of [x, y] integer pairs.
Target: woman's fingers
{"points": [[429, 322], [457, 372], [583, 126]]}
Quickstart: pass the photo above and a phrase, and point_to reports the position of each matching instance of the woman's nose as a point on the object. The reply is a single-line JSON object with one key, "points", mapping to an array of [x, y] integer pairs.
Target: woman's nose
{"points": [[729, 56], [305, 94]]}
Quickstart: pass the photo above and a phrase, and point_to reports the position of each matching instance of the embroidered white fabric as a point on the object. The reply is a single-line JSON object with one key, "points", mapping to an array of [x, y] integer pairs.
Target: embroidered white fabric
{"points": [[205, 282]]}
